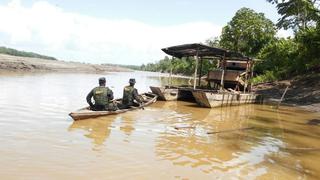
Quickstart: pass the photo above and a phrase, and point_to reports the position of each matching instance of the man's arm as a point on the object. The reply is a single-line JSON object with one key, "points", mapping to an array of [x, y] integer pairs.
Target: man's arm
{"points": [[89, 96], [136, 96], [110, 94]]}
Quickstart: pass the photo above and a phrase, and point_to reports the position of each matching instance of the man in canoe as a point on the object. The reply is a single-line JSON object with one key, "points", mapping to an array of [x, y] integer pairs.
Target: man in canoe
{"points": [[102, 96], [130, 95]]}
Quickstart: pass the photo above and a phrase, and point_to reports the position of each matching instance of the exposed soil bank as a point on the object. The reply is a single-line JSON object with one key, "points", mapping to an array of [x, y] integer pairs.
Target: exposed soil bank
{"points": [[303, 91], [26, 64]]}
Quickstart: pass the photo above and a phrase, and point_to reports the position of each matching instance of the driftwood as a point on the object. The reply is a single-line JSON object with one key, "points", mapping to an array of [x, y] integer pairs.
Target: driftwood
{"points": [[230, 130], [184, 127], [301, 148], [284, 93]]}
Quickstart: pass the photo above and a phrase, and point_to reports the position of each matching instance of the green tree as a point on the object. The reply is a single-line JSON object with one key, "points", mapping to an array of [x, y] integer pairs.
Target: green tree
{"points": [[248, 32], [279, 57], [297, 14], [213, 42]]}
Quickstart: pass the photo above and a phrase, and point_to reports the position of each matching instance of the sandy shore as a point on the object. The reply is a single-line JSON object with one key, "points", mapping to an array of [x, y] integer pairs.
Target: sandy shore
{"points": [[303, 92], [24, 64]]}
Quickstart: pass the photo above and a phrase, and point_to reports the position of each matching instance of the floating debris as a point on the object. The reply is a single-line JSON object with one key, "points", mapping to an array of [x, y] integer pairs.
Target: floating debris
{"points": [[230, 130], [184, 127]]}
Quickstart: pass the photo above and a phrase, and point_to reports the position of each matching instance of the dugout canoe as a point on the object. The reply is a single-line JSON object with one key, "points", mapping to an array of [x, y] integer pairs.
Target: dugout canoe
{"points": [[86, 113]]}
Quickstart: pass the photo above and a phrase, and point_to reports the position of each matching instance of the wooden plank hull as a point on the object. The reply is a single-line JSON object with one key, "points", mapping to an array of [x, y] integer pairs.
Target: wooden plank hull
{"points": [[165, 94], [215, 99], [86, 113]]}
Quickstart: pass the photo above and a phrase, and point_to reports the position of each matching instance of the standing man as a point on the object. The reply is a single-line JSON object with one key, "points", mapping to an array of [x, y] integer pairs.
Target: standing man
{"points": [[130, 94], [102, 96]]}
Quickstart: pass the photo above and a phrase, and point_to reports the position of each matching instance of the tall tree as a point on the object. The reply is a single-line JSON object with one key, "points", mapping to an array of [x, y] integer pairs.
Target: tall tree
{"points": [[297, 14], [247, 32]]}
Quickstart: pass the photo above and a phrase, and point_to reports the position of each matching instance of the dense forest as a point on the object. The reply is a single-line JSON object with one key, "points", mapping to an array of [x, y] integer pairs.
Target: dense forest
{"points": [[14, 52], [252, 34]]}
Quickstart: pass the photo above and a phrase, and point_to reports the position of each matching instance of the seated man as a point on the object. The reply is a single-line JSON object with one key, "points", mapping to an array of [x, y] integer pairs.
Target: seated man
{"points": [[130, 94], [102, 96]]}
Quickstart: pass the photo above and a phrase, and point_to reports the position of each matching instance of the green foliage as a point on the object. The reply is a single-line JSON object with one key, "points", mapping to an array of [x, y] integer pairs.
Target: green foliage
{"points": [[297, 14], [252, 34], [213, 42], [248, 32], [278, 56], [268, 76], [184, 66], [309, 45], [14, 52]]}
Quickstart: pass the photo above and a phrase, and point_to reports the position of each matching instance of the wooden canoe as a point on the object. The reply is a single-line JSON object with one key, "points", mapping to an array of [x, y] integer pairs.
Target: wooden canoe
{"points": [[86, 113]]}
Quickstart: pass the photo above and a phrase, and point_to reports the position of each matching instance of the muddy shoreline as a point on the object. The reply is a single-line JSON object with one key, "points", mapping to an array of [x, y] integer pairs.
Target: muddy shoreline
{"points": [[10, 63], [303, 92]]}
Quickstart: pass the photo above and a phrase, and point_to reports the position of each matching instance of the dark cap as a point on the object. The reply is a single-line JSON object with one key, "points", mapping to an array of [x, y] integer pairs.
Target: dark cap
{"points": [[102, 80], [132, 80]]}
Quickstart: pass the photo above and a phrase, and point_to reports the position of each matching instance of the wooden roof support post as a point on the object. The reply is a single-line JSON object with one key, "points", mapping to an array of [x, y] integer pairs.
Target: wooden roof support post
{"points": [[200, 74], [170, 76], [223, 65], [251, 73], [195, 72], [246, 77]]}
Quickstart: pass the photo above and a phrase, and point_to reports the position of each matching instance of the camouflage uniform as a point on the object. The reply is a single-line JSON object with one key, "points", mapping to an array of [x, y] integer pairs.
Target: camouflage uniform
{"points": [[129, 95], [102, 96]]}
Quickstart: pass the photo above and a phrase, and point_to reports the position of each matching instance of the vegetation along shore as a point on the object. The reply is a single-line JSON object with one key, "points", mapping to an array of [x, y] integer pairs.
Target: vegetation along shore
{"points": [[295, 59]]}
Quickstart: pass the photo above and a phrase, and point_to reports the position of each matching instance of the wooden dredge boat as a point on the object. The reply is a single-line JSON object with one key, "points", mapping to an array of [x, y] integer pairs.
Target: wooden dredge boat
{"points": [[86, 113], [213, 99], [165, 93], [226, 84], [173, 93]]}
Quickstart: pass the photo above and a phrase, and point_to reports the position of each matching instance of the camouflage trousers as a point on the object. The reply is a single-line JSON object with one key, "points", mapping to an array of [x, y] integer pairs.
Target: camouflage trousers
{"points": [[109, 107]]}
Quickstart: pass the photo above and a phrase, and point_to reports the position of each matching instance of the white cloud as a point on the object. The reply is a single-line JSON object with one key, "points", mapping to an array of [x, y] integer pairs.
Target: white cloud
{"points": [[284, 33], [70, 36]]}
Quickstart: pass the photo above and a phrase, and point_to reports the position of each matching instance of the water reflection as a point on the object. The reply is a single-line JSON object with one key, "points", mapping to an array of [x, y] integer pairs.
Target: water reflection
{"points": [[98, 129], [234, 152]]}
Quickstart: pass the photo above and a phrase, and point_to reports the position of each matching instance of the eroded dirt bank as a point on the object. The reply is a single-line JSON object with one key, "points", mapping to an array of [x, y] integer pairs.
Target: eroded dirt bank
{"points": [[25, 64], [303, 91]]}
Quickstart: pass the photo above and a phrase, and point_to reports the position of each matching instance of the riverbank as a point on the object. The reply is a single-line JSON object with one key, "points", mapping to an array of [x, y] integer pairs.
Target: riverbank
{"points": [[303, 91], [10, 63]]}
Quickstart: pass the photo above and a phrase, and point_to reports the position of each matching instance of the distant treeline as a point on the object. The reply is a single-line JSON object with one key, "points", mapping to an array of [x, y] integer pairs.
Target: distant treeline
{"points": [[183, 66], [14, 52], [133, 67]]}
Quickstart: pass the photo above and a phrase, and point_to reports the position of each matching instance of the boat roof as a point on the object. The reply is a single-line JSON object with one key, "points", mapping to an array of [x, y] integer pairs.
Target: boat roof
{"points": [[201, 50]]}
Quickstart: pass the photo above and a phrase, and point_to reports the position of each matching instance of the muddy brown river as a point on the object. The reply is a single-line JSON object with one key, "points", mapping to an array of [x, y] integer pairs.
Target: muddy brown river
{"points": [[167, 140]]}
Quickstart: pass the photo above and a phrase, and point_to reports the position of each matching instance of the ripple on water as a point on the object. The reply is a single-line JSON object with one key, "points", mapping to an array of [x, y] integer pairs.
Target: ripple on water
{"points": [[166, 140]]}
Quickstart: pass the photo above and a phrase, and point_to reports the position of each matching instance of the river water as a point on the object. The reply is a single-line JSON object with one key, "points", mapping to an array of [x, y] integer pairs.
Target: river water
{"points": [[167, 140]]}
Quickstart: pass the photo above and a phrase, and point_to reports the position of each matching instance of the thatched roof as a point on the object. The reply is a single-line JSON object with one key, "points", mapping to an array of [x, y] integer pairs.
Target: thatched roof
{"points": [[201, 50]]}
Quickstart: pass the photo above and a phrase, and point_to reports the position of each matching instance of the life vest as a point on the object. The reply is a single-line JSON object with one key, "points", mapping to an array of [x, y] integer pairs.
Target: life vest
{"points": [[100, 95], [128, 98]]}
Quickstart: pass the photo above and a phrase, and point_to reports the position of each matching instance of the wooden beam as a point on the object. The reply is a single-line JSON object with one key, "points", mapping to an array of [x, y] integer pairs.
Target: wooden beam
{"points": [[246, 77], [201, 61], [223, 65], [170, 76], [195, 72], [251, 75]]}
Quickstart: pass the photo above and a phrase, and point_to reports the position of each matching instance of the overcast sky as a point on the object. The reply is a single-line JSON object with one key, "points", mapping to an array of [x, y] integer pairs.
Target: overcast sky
{"points": [[115, 31]]}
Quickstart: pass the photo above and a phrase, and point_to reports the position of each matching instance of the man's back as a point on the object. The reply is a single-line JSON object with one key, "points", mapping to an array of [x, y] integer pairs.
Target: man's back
{"points": [[128, 95], [101, 95]]}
